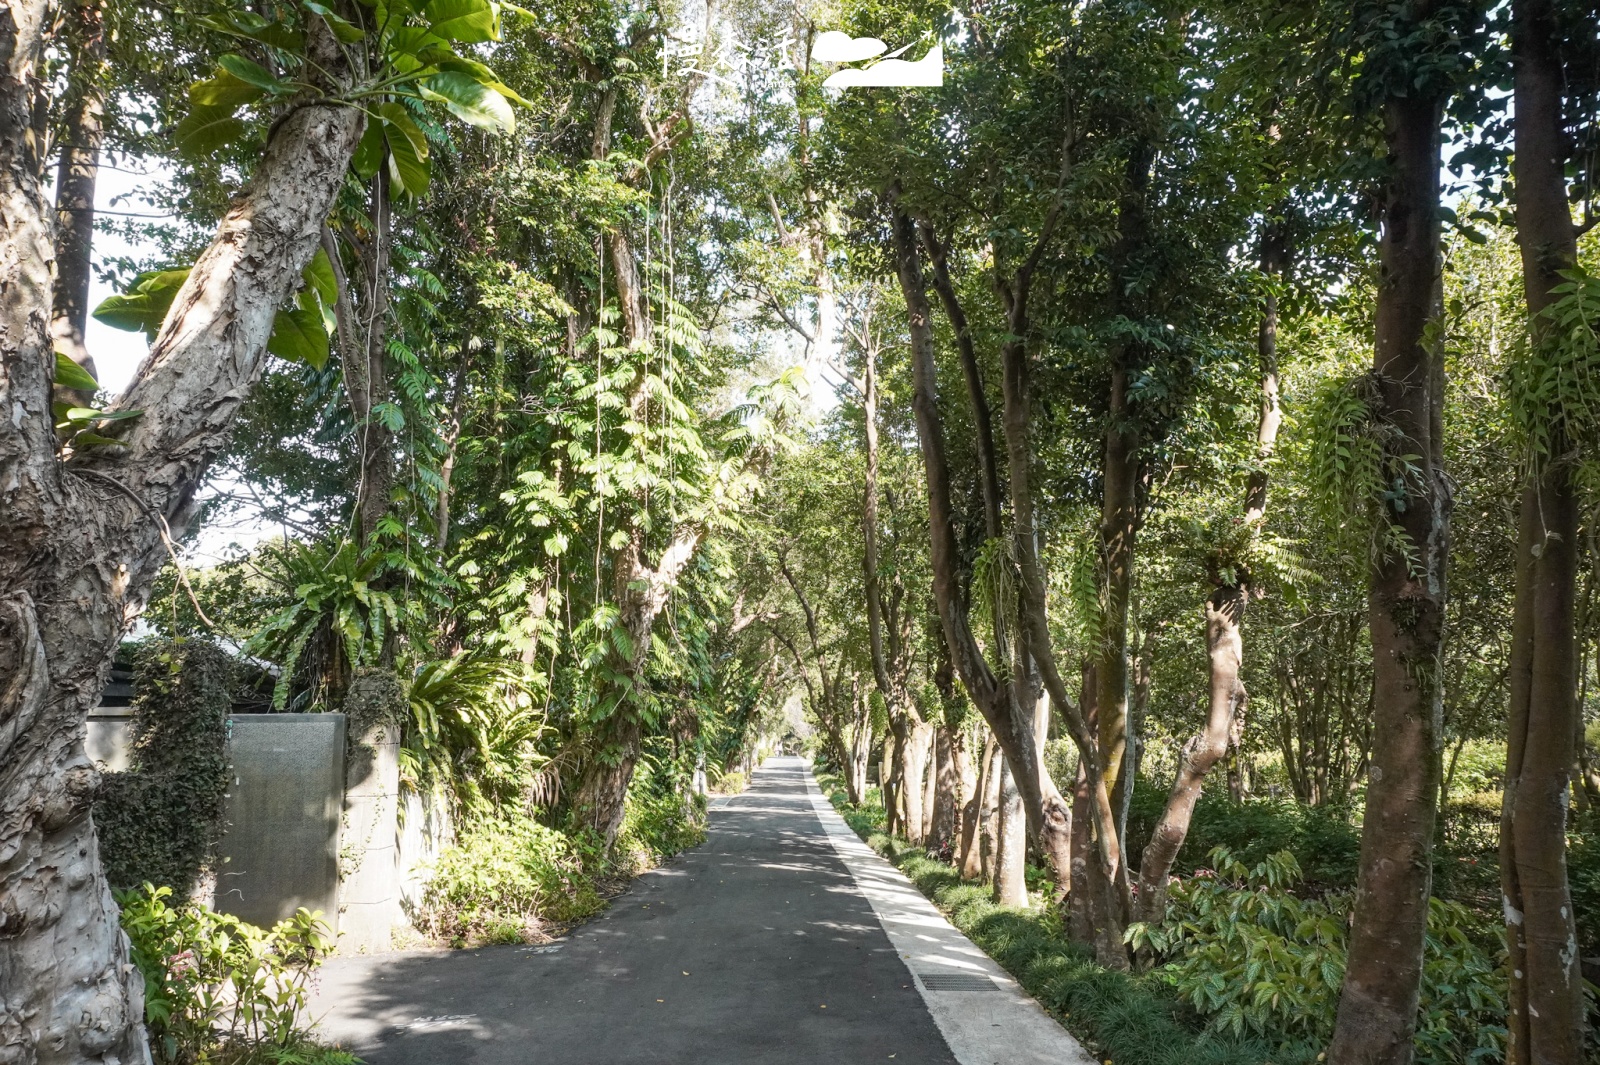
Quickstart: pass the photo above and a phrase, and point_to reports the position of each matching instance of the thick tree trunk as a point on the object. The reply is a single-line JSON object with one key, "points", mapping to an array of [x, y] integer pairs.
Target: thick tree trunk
{"points": [[1546, 1015], [80, 542], [1120, 472], [913, 743], [1010, 888], [1406, 609], [76, 173], [640, 593]]}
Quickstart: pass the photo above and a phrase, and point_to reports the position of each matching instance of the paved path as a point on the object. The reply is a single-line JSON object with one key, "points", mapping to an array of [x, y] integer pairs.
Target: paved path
{"points": [[783, 939]]}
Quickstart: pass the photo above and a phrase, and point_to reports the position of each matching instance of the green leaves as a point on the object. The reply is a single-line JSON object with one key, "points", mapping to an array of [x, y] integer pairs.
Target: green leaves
{"points": [[298, 336], [393, 139], [213, 122], [299, 333], [469, 100], [70, 375], [144, 306], [466, 21]]}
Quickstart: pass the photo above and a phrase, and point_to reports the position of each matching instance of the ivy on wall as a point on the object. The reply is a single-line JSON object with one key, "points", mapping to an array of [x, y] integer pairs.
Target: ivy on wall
{"points": [[160, 820]]}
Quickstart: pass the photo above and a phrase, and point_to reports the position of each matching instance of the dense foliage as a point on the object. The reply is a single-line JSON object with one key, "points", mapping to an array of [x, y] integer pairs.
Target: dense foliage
{"points": [[159, 819], [1181, 417]]}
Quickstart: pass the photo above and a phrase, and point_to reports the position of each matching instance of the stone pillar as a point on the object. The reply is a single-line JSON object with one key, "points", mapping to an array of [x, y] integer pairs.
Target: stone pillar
{"points": [[369, 853]]}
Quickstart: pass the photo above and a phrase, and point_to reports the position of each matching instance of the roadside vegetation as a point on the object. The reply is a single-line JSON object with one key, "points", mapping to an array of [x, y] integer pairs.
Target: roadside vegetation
{"points": [[1161, 459]]}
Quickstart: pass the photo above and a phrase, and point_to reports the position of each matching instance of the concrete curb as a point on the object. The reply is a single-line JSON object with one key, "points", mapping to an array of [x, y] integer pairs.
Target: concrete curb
{"points": [[1004, 1026]]}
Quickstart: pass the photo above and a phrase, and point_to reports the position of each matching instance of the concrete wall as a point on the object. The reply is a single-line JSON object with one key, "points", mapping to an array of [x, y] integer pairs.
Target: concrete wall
{"points": [[305, 809], [425, 829], [369, 853], [281, 849], [109, 738]]}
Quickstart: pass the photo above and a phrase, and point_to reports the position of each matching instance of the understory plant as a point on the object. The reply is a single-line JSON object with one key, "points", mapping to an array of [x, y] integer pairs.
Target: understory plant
{"points": [[219, 989], [506, 880], [1252, 957]]}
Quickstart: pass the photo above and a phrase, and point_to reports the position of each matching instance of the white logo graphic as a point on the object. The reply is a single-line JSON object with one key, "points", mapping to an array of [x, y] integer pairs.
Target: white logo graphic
{"points": [[888, 72]]}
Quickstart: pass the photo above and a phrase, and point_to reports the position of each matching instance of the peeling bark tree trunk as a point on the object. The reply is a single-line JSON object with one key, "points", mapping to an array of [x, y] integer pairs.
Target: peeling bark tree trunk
{"points": [[79, 541], [1224, 610], [640, 594], [1546, 1014], [1406, 608]]}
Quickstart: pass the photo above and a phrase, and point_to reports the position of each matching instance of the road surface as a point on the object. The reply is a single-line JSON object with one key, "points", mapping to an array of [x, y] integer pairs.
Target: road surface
{"points": [[782, 939]]}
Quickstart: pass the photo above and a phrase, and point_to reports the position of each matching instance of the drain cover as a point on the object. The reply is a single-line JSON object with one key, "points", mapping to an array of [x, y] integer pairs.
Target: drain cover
{"points": [[956, 982]]}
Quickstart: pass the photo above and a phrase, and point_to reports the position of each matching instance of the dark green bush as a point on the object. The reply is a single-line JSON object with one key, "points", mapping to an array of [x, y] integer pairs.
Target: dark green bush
{"points": [[159, 821], [1321, 838]]}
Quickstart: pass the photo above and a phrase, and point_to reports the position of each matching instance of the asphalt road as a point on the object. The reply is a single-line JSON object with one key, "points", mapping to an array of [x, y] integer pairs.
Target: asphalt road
{"points": [[757, 947]]}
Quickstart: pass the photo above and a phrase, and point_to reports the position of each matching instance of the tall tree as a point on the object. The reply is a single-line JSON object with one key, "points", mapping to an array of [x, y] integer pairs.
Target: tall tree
{"points": [[1412, 67], [99, 524], [1546, 1004]]}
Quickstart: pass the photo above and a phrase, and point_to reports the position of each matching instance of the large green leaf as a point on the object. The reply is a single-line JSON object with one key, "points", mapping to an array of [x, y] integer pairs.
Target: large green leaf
{"points": [[70, 375], [298, 336], [254, 74], [369, 153], [144, 306], [319, 277], [342, 28], [467, 21], [205, 129], [253, 27], [224, 90], [483, 75], [408, 150], [470, 100]]}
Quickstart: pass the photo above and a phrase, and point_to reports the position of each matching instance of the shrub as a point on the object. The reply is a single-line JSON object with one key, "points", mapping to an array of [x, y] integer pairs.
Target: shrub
{"points": [[1251, 957], [504, 880], [159, 821], [657, 823], [218, 989], [1325, 844], [731, 783]]}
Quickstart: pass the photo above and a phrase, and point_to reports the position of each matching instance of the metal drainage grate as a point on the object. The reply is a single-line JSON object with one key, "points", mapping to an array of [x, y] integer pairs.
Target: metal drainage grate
{"points": [[956, 982]]}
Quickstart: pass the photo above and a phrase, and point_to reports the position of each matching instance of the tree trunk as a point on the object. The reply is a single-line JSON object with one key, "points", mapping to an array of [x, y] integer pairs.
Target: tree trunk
{"points": [[1406, 600], [946, 795], [640, 594], [1546, 1014], [79, 541], [371, 359], [914, 740], [860, 752], [1010, 717], [1203, 751], [972, 818], [989, 816], [1011, 836], [1120, 471], [76, 173]]}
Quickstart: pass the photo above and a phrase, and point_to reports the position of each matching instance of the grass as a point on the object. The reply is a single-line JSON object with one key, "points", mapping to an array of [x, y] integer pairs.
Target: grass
{"points": [[1122, 1018]]}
